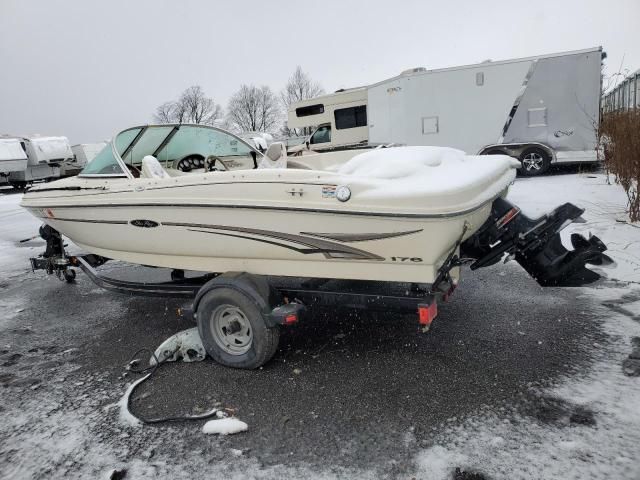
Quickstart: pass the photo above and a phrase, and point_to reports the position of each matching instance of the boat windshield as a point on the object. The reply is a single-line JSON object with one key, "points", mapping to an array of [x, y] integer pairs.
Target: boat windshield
{"points": [[184, 147], [181, 147], [104, 163]]}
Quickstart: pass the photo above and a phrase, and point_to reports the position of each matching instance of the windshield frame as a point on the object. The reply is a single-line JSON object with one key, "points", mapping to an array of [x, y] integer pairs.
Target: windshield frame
{"points": [[143, 128]]}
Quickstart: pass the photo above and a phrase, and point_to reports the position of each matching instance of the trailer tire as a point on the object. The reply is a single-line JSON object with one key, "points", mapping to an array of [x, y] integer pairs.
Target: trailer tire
{"points": [[233, 330], [535, 161]]}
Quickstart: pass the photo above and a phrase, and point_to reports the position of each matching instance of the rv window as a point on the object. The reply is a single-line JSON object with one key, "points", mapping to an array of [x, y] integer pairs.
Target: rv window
{"points": [[321, 135], [351, 117], [310, 110]]}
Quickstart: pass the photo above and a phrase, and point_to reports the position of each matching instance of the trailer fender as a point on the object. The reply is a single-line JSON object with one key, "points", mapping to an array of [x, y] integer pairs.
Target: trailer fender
{"points": [[255, 287], [515, 149]]}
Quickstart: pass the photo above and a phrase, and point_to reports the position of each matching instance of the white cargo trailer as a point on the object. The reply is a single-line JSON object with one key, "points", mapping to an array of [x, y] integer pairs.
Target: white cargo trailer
{"points": [[83, 153], [44, 157], [541, 110]]}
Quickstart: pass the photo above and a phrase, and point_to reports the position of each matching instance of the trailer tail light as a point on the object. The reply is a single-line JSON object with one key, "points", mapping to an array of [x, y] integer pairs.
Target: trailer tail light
{"points": [[287, 314], [427, 313], [507, 217]]}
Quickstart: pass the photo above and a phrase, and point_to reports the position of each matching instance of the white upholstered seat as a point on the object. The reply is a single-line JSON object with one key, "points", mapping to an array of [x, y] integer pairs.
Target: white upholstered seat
{"points": [[151, 168]]}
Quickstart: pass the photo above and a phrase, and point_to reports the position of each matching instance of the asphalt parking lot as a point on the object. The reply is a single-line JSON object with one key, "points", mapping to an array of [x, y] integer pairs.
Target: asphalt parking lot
{"points": [[346, 390], [512, 380]]}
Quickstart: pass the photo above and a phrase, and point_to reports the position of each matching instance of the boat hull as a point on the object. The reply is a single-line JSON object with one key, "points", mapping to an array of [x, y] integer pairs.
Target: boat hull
{"points": [[266, 241]]}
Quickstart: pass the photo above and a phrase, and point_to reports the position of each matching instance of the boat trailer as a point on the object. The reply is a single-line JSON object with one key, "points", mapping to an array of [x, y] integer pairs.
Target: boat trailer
{"points": [[239, 314]]}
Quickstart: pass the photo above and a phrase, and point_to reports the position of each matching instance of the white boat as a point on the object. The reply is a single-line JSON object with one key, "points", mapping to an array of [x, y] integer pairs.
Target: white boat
{"points": [[400, 221], [198, 198]]}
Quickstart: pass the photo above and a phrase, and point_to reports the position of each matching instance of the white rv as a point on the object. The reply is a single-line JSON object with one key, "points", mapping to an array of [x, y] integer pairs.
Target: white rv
{"points": [[340, 118], [12, 157], [83, 153], [541, 109], [44, 157]]}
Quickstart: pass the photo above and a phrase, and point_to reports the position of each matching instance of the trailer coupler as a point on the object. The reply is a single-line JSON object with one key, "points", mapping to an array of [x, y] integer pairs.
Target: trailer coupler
{"points": [[54, 259], [536, 245]]}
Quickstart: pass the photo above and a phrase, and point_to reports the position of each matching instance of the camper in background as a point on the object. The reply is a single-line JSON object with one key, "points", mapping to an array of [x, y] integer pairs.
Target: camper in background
{"points": [[540, 110], [12, 158], [44, 157], [340, 118]]}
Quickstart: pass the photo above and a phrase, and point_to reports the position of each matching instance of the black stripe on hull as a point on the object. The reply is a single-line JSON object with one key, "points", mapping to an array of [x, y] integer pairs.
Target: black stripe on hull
{"points": [[360, 237], [313, 245]]}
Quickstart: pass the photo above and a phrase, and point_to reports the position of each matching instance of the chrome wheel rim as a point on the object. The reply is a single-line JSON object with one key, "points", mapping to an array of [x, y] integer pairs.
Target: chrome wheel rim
{"points": [[532, 161], [231, 330]]}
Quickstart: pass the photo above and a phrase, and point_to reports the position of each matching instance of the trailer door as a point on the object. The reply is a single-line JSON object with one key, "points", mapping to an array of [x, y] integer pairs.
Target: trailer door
{"points": [[386, 113]]}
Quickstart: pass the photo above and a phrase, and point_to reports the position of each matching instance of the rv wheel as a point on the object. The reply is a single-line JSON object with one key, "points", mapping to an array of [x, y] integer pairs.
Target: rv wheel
{"points": [[18, 185], [233, 330], [535, 161]]}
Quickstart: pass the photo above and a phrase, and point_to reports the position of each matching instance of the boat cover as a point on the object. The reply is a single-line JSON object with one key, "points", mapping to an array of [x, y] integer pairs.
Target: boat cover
{"points": [[445, 180]]}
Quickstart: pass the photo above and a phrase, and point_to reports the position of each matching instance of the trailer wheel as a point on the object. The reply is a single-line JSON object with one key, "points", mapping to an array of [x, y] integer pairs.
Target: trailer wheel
{"points": [[233, 330], [535, 161], [20, 186]]}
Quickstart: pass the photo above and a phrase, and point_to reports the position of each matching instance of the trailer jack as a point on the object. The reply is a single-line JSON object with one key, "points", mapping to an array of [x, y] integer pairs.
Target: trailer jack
{"points": [[55, 260]]}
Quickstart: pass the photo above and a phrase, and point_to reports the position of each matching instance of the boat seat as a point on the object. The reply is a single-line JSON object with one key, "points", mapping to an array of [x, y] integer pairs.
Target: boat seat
{"points": [[274, 157], [151, 168]]}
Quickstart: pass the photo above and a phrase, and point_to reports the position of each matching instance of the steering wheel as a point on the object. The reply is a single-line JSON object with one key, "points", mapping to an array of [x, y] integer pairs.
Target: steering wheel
{"points": [[210, 164]]}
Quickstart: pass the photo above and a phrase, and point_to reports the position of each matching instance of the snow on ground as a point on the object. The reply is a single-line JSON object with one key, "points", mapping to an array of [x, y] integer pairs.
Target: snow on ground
{"points": [[225, 426], [596, 432], [605, 205], [16, 226]]}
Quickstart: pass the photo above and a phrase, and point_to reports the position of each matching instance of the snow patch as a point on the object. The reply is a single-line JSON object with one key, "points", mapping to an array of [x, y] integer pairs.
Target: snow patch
{"points": [[124, 414], [605, 205], [436, 171], [522, 448], [225, 426]]}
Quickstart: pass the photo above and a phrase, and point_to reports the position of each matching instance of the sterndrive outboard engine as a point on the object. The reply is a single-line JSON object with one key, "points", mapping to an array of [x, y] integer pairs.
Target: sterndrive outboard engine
{"points": [[536, 245]]}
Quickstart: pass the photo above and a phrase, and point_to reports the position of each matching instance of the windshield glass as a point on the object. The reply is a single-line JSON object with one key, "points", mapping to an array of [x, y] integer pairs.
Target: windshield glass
{"points": [[146, 144], [172, 143], [104, 163], [204, 141]]}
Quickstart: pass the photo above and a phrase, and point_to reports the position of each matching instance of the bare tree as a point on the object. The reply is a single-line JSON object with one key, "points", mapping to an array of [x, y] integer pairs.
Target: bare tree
{"points": [[193, 106], [253, 109], [299, 87]]}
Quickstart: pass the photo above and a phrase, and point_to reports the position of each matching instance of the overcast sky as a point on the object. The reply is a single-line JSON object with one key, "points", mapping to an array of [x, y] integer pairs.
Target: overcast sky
{"points": [[88, 68]]}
